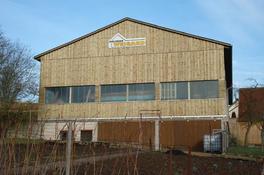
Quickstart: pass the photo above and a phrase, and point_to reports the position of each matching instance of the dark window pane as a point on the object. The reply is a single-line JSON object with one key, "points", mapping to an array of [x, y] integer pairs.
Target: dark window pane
{"points": [[212, 89], [174, 90], [197, 90], [204, 89], [57, 95], [83, 94], [113, 93], [138, 92], [168, 91], [182, 90]]}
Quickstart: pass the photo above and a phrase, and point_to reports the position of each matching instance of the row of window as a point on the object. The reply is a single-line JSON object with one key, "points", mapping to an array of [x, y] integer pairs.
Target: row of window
{"points": [[132, 92], [189, 90], [76, 94]]}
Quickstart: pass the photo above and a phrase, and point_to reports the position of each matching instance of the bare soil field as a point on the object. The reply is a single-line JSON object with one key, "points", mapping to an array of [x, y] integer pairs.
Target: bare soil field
{"points": [[151, 163], [100, 158]]}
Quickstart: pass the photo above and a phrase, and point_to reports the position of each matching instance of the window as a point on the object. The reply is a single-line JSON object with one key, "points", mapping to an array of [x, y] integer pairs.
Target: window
{"points": [[175, 90], [182, 90], [83, 94], [137, 92], [113, 93], [168, 91], [233, 115], [204, 89], [57, 95], [64, 134], [86, 135]]}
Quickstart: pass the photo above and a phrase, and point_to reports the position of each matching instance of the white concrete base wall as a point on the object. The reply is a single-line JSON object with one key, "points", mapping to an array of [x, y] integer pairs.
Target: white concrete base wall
{"points": [[51, 130], [31, 131]]}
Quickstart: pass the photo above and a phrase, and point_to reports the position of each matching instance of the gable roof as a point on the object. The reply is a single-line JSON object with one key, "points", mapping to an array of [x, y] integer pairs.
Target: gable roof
{"points": [[37, 57]]}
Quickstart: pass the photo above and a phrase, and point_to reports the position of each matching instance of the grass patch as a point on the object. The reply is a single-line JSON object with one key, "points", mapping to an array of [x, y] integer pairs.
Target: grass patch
{"points": [[246, 151]]}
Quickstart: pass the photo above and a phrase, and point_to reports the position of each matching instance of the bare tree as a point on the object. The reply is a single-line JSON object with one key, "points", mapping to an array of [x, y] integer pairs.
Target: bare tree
{"points": [[259, 122], [259, 110], [246, 108], [250, 107], [18, 79]]}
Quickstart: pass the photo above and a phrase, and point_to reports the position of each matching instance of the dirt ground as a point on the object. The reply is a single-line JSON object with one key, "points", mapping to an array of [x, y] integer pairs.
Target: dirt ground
{"points": [[32, 154], [129, 161], [152, 163]]}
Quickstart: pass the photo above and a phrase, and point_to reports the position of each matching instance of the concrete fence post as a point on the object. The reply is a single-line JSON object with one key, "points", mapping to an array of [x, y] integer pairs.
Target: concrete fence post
{"points": [[157, 135]]}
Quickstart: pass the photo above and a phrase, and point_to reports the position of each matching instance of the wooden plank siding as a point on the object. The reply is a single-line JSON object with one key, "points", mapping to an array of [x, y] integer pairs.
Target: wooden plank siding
{"points": [[121, 109], [182, 134], [166, 57], [173, 134], [126, 132]]}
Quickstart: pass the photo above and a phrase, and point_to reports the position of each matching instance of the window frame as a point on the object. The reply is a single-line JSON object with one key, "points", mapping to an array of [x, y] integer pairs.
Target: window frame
{"points": [[57, 87], [149, 83], [189, 90], [71, 94], [116, 101], [127, 93], [174, 82], [217, 90]]}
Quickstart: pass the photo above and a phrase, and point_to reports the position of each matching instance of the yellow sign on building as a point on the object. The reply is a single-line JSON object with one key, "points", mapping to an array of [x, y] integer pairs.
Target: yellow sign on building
{"points": [[119, 41]]}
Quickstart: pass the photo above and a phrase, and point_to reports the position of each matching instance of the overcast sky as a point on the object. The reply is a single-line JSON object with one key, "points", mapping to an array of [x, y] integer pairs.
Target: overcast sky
{"points": [[42, 25]]}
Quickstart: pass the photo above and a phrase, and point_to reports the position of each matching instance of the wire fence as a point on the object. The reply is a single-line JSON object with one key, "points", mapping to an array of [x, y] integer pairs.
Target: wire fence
{"points": [[33, 148], [24, 150]]}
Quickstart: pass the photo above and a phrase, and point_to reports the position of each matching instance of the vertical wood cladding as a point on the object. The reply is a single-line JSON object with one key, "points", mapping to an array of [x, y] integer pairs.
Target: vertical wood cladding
{"points": [[126, 132], [173, 134], [186, 133], [166, 57]]}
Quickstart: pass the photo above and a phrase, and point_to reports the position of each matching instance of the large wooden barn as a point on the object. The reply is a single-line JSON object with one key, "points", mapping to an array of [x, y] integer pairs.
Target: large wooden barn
{"points": [[136, 82]]}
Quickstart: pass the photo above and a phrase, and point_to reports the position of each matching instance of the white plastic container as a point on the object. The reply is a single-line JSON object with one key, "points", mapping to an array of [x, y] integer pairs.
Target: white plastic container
{"points": [[212, 143]]}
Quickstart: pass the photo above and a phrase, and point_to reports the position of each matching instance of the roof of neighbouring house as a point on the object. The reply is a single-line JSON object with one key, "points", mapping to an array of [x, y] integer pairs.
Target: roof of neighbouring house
{"points": [[251, 103]]}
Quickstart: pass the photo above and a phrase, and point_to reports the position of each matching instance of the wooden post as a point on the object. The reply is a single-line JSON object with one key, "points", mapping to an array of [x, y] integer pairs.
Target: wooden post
{"points": [[30, 120], [189, 169], [170, 162], [68, 149], [210, 127], [140, 136], [157, 135]]}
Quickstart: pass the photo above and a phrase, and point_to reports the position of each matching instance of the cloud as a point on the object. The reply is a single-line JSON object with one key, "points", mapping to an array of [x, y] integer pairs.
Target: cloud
{"points": [[242, 22], [243, 72], [236, 18], [34, 25], [251, 12]]}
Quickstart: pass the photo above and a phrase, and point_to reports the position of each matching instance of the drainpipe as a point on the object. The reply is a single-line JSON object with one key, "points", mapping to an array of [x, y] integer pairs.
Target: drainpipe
{"points": [[225, 135]]}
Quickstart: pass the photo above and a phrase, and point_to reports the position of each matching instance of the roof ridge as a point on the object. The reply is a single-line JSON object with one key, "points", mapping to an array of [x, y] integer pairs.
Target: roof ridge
{"points": [[136, 21]]}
